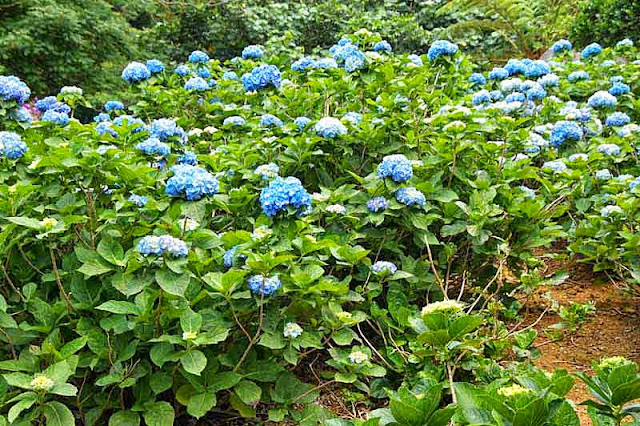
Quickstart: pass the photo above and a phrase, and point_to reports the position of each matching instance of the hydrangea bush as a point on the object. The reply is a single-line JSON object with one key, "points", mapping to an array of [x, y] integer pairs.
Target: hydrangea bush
{"points": [[195, 248]]}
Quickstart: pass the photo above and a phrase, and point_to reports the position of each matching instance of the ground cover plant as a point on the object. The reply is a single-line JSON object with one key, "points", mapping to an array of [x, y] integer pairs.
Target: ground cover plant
{"points": [[199, 246]]}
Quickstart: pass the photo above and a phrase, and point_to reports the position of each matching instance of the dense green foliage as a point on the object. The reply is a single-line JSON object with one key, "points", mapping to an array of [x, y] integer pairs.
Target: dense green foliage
{"points": [[606, 21]]}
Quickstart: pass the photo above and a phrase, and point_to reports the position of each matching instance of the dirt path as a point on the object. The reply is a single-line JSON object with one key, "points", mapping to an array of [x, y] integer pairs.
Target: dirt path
{"points": [[613, 330]]}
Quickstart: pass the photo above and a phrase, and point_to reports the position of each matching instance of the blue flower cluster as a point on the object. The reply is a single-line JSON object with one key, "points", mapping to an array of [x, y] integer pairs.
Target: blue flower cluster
{"points": [[135, 72], [252, 52], [591, 50], [302, 122], [153, 146], [625, 43], [197, 84], [267, 171], [13, 89], [165, 128], [347, 55], [259, 284], [578, 76], [481, 97], [561, 45], [130, 121], [609, 149], [382, 46], [329, 128], [326, 64], [155, 66], [105, 127], [204, 72], [549, 80], [602, 99], [139, 200], [182, 70], [377, 204], [198, 57], [383, 266], [303, 64], [619, 88], [516, 66], [556, 166], [261, 77], [410, 196], [477, 78], [352, 117], [563, 131], [189, 158], [230, 76], [152, 244], [102, 117], [113, 106], [441, 48], [498, 74], [603, 174], [22, 114], [397, 167], [617, 119], [191, 181], [415, 60], [282, 193], [58, 118], [268, 120], [12, 146], [537, 68], [234, 120], [51, 103]]}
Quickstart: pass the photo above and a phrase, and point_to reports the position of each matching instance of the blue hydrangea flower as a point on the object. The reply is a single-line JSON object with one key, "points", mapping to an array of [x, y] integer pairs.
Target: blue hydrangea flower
{"points": [[303, 64], [282, 193], [481, 97], [155, 66], [105, 127], [348, 55], [352, 117], [12, 146], [191, 181], [602, 99], [58, 118], [135, 72], [515, 67], [537, 68], [262, 76], [103, 116], [182, 70], [549, 80], [616, 79], [578, 76], [234, 120], [22, 115], [229, 256], [537, 92], [625, 43], [113, 106], [556, 166], [382, 46], [302, 122], [164, 128], [267, 171], [152, 244], [259, 284], [561, 45], [591, 50], [609, 149], [477, 78], [138, 200], [268, 120], [415, 60], [189, 158], [410, 196], [496, 95], [252, 51], [634, 183], [230, 76], [515, 97], [563, 131], [608, 63], [353, 63], [397, 167], [329, 127], [377, 204], [498, 74], [382, 266], [440, 48], [528, 192], [326, 63], [153, 146], [617, 119], [603, 174], [130, 121], [619, 89], [14, 89], [198, 57], [196, 84], [46, 103]]}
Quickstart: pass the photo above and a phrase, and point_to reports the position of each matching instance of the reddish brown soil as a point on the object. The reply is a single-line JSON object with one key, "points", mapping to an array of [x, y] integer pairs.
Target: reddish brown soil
{"points": [[614, 329]]}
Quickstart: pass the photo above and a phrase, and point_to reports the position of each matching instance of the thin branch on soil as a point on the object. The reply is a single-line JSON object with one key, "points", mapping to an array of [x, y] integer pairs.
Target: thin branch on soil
{"points": [[257, 335]]}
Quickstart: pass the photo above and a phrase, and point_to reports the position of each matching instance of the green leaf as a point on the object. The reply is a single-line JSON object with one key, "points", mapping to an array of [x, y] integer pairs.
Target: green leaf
{"points": [[124, 418], [20, 406], [160, 381], [94, 268], [248, 392], [172, 283], [119, 307], [18, 380], [565, 415], [190, 321], [25, 221], [272, 340], [64, 389], [73, 346], [161, 353], [288, 388], [159, 414], [201, 403], [224, 380], [58, 414], [193, 361], [111, 250]]}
